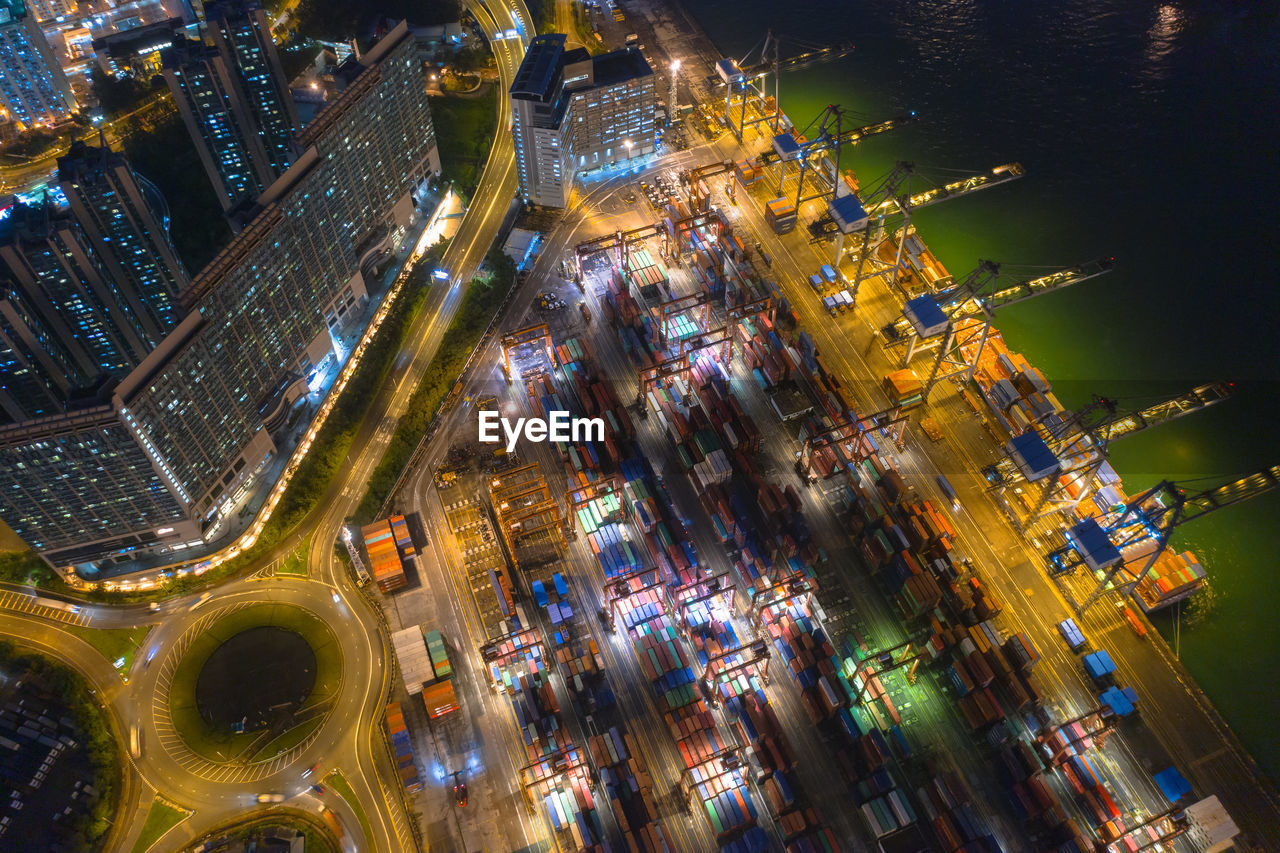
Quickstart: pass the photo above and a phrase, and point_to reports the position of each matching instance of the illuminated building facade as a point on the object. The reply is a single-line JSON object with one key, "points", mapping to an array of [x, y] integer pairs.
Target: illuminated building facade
{"points": [[33, 89], [258, 320], [234, 100], [573, 113]]}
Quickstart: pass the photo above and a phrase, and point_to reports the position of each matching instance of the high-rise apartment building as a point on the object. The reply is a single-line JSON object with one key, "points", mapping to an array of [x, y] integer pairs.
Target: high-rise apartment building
{"points": [[33, 89], [50, 261], [234, 100], [217, 119], [258, 321], [242, 34], [126, 220], [573, 113], [88, 286]]}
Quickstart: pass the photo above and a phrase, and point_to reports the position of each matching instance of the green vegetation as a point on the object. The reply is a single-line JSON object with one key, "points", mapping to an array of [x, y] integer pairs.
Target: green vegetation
{"points": [[297, 56], [314, 475], [225, 746], [161, 818], [31, 144], [340, 20], [114, 643], [296, 562], [316, 837], [288, 740], [329, 450], [464, 130], [120, 95], [483, 298], [96, 738], [25, 568], [159, 148], [342, 788]]}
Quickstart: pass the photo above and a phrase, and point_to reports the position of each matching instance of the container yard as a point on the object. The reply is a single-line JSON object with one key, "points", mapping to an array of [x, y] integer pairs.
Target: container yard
{"points": [[759, 614]]}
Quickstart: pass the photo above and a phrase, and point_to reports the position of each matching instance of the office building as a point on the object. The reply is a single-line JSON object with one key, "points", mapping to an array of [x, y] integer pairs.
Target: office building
{"points": [[234, 101], [258, 322], [33, 89], [573, 113]]}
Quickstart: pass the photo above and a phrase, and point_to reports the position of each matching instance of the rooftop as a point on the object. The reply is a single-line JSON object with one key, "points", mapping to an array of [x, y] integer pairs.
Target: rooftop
{"points": [[543, 60], [619, 65]]}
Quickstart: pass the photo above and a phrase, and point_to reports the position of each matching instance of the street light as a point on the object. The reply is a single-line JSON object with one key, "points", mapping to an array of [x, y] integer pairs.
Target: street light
{"points": [[626, 143], [671, 98]]}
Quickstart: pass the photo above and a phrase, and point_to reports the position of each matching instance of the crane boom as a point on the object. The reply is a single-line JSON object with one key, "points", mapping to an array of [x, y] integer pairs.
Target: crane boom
{"points": [[1220, 497], [961, 307], [993, 178], [1200, 397], [1086, 431], [980, 292], [825, 142], [1155, 514]]}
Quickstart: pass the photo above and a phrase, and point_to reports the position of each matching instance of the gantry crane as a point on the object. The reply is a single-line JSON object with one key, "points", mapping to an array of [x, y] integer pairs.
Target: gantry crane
{"points": [[1170, 824], [826, 134], [1098, 541], [1079, 444], [958, 320], [719, 340], [891, 196], [746, 77], [905, 654], [753, 656], [847, 441]]}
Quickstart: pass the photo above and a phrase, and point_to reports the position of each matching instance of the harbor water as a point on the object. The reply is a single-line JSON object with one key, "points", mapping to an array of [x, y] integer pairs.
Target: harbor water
{"points": [[1150, 133]]}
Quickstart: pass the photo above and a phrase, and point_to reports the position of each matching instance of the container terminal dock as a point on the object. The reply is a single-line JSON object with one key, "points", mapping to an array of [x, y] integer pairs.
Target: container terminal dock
{"points": [[843, 573]]}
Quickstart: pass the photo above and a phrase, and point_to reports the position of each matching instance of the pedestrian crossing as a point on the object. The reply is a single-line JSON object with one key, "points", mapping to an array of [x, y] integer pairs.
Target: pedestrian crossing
{"points": [[44, 608]]}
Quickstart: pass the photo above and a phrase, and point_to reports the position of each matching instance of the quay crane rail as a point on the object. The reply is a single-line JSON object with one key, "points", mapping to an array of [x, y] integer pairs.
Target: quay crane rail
{"points": [[1154, 515]]}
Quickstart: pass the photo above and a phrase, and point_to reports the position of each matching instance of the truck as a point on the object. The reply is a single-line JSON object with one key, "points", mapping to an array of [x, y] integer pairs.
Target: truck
{"points": [[1071, 632], [948, 491]]}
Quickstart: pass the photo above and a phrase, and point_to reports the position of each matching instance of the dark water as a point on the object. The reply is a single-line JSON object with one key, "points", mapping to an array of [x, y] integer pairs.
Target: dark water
{"points": [[1149, 132]]}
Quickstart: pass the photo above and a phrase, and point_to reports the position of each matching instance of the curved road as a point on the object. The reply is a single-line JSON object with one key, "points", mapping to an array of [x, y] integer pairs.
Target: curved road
{"points": [[349, 740]]}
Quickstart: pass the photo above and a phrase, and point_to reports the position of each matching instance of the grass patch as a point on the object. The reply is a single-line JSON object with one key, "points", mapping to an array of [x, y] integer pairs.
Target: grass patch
{"points": [[288, 740], [114, 643], [483, 298], [342, 787], [317, 837], [161, 818], [296, 562], [464, 131], [222, 745], [90, 821]]}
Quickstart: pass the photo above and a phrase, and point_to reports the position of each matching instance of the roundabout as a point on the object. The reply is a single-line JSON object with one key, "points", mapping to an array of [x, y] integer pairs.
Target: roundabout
{"points": [[246, 688]]}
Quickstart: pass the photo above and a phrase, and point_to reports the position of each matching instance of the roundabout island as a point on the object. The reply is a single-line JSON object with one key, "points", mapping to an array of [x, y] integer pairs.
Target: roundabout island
{"points": [[247, 684]]}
